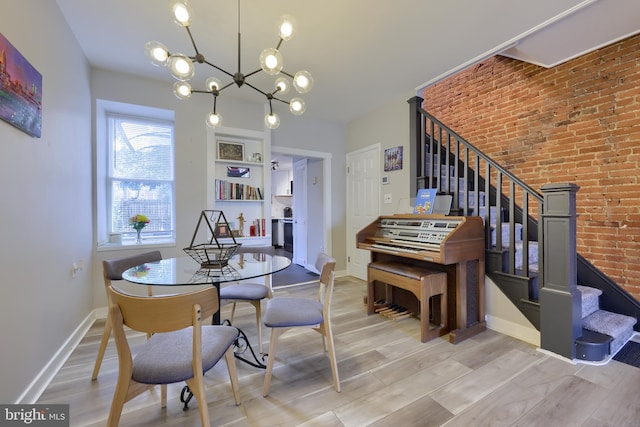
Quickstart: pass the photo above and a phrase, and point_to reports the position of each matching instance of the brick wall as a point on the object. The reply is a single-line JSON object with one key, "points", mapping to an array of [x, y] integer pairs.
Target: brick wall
{"points": [[578, 122]]}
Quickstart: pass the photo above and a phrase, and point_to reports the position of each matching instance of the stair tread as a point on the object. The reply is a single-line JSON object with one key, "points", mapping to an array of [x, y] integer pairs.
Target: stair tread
{"points": [[608, 323]]}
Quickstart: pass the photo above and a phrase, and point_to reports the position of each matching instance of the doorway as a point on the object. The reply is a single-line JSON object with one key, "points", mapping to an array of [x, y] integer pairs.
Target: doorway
{"points": [[312, 230], [363, 203]]}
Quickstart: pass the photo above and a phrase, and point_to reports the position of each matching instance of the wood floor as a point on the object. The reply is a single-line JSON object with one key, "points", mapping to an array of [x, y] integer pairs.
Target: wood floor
{"points": [[389, 378]]}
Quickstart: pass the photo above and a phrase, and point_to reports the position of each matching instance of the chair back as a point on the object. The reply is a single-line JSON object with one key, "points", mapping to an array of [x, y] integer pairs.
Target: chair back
{"points": [[164, 313], [269, 250], [113, 269], [326, 266]]}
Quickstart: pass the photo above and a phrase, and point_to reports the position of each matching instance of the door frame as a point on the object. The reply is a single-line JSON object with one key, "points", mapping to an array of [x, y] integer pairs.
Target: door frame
{"points": [[326, 190]]}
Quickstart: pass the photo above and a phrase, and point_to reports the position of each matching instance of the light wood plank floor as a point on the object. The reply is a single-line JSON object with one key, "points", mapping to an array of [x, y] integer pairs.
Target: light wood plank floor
{"points": [[389, 378]]}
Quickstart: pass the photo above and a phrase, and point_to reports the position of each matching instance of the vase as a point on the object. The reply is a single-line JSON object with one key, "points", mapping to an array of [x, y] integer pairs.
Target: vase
{"points": [[138, 238]]}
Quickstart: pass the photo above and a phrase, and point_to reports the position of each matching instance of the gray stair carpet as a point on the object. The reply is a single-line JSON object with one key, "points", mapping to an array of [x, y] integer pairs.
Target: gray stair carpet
{"points": [[617, 326]]}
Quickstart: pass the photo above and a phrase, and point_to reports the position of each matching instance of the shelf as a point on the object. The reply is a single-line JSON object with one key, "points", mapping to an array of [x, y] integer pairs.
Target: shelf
{"points": [[283, 195], [240, 200], [238, 162]]}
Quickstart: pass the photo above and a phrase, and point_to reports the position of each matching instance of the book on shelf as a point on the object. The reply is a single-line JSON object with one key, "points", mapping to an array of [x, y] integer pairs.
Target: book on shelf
{"points": [[226, 190]]}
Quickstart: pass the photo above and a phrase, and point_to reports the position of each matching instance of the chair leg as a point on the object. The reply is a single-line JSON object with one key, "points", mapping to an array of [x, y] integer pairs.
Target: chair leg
{"points": [[230, 358], [163, 395], [273, 343], [332, 355], [256, 304], [233, 312], [103, 347], [196, 385]]}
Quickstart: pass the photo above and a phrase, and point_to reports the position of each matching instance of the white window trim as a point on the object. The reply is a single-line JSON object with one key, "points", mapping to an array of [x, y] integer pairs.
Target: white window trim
{"points": [[103, 108]]}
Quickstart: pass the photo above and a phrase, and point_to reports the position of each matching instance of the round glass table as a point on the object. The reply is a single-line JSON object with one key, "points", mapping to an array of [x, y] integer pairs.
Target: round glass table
{"points": [[185, 270]]}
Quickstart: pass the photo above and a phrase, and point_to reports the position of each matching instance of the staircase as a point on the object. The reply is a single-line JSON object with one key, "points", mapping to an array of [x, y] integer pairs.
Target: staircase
{"points": [[605, 332], [580, 312]]}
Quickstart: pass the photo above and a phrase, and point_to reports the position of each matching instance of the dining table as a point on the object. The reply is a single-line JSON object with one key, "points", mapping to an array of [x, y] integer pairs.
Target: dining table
{"points": [[186, 271]]}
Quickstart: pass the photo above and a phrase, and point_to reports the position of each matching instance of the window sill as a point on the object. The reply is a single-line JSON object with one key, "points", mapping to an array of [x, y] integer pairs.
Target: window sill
{"points": [[130, 244]]}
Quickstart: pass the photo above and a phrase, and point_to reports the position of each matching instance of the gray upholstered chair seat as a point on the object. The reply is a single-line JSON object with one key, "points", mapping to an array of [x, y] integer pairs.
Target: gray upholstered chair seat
{"points": [[166, 357], [284, 312], [244, 291]]}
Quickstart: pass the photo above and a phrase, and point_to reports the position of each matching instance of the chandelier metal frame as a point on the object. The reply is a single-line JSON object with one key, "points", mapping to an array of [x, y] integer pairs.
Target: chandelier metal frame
{"points": [[182, 68]]}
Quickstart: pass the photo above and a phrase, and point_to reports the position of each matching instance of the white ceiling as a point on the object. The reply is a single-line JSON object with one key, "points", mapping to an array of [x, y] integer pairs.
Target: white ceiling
{"points": [[362, 54]]}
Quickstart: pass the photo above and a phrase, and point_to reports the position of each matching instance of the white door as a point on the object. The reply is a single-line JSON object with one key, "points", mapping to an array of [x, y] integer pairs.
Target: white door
{"points": [[363, 203], [300, 212]]}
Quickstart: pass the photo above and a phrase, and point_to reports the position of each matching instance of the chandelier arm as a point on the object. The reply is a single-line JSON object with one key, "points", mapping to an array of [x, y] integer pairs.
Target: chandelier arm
{"points": [[198, 56], [253, 72], [255, 88], [286, 74], [218, 68], [281, 100], [224, 87], [279, 43]]}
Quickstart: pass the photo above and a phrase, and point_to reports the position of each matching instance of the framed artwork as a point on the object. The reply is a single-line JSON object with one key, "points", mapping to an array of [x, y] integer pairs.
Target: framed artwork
{"points": [[222, 230], [231, 151], [235, 172], [20, 90], [393, 159]]}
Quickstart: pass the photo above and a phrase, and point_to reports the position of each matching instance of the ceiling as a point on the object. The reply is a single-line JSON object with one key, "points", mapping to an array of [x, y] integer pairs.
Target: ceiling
{"points": [[362, 54]]}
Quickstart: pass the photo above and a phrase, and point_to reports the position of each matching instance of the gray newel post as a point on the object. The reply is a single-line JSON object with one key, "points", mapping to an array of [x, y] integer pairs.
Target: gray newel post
{"points": [[416, 144], [560, 299]]}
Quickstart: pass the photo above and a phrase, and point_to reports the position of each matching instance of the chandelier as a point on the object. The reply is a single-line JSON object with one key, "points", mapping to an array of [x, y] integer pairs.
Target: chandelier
{"points": [[182, 68]]}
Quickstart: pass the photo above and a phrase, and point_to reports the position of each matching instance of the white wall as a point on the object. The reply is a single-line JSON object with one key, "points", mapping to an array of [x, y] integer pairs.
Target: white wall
{"points": [[46, 207]]}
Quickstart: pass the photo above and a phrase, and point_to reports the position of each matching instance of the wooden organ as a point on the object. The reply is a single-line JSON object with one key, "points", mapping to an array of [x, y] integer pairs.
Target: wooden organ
{"points": [[450, 244]]}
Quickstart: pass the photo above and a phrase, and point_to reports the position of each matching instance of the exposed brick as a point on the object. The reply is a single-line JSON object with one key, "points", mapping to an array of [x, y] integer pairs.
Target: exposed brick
{"points": [[577, 122]]}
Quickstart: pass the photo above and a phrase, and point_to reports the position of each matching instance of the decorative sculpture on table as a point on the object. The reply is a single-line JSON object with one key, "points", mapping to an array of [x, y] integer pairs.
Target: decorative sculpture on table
{"points": [[213, 253]]}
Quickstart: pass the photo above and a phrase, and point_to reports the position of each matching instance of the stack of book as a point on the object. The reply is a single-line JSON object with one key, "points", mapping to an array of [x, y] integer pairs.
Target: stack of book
{"points": [[226, 190]]}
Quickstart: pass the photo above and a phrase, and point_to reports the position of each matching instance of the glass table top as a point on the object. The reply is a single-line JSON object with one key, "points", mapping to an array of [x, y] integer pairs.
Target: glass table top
{"points": [[186, 271]]}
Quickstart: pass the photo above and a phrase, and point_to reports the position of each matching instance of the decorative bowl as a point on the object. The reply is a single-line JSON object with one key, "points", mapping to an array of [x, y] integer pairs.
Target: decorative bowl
{"points": [[212, 256]]}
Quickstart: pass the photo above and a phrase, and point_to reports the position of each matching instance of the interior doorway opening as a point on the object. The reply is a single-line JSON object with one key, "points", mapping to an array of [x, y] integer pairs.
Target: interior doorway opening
{"points": [[310, 221]]}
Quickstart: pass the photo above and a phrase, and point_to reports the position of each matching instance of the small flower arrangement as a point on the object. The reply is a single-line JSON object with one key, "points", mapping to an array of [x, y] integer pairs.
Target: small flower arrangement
{"points": [[138, 222]]}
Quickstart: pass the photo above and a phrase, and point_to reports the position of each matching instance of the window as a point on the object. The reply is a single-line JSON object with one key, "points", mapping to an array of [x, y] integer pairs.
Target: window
{"points": [[137, 176]]}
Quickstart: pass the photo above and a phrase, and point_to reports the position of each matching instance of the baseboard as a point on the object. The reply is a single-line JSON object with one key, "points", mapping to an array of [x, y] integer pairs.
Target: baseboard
{"points": [[521, 332], [34, 390]]}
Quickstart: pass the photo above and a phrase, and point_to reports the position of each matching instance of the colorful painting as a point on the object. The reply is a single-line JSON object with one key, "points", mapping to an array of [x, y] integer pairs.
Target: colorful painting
{"points": [[20, 90], [393, 159]]}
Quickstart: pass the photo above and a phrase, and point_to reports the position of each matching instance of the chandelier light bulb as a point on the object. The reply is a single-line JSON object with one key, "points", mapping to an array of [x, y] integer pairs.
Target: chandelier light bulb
{"points": [[157, 53], [214, 120], [182, 90], [297, 106], [282, 85], [272, 121], [271, 61], [287, 27], [302, 81], [181, 67], [181, 13], [213, 84]]}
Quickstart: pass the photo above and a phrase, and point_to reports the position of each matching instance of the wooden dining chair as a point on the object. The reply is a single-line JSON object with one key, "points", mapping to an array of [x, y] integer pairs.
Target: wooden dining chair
{"points": [[180, 349], [250, 292], [112, 270], [285, 313]]}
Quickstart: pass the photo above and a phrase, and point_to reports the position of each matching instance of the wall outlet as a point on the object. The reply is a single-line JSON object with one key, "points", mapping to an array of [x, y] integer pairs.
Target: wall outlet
{"points": [[388, 198]]}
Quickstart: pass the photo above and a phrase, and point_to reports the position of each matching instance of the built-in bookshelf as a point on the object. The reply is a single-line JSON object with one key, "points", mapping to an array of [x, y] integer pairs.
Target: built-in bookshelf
{"points": [[239, 183]]}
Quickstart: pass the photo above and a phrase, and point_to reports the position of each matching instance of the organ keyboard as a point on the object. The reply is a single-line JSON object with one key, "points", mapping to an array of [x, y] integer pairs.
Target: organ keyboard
{"points": [[453, 244]]}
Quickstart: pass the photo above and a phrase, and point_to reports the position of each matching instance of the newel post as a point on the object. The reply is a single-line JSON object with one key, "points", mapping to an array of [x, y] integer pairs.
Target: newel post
{"points": [[416, 144], [560, 300]]}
